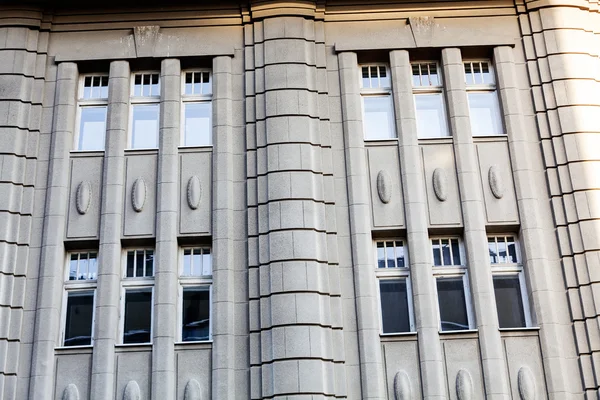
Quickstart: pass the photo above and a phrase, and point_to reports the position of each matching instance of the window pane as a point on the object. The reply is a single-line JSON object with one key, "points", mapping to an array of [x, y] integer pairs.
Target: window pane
{"points": [[149, 263], [195, 314], [509, 301], [484, 113], [399, 255], [431, 116], [83, 266], [104, 88], [198, 124], [206, 262], [453, 310], [189, 82], [73, 267], [145, 127], [146, 85], [92, 128], [492, 250], [138, 316], [139, 263], [92, 266], [394, 306], [512, 251], [446, 252], [187, 262], [437, 254], [197, 262], [378, 117], [455, 252], [78, 325], [380, 255], [155, 90], [206, 84], [501, 250], [130, 263], [389, 254], [365, 77]]}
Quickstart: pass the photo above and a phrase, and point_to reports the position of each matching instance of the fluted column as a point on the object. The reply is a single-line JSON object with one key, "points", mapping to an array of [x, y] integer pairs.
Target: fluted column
{"points": [[47, 321], [371, 359], [111, 226], [495, 372], [165, 276], [419, 245]]}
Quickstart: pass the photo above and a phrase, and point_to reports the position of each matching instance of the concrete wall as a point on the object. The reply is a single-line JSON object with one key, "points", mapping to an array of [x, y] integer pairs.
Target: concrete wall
{"points": [[291, 199]]}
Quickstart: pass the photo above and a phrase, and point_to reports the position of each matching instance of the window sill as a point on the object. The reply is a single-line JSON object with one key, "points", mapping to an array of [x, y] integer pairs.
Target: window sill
{"points": [[142, 151], [490, 138], [398, 337], [435, 140], [462, 334], [87, 153], [205, 345], [516, 332], [194, 149], [64, 350], [127, 347]]}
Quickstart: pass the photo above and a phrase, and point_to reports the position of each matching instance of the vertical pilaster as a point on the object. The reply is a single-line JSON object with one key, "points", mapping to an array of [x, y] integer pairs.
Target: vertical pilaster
{"points": [[165, 276], [495, 372], [109, 252], [547, 291], [419, 245], [223, 353], [371, 362], [52, 260]]}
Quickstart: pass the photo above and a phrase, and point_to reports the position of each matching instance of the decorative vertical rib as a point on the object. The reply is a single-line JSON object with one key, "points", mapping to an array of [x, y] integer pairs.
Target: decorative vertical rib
{"points": [[547, 290], [109, 252], [165, 276], [371, 362], [47, 321], [492, 356], [419, 247], [223, 353]]}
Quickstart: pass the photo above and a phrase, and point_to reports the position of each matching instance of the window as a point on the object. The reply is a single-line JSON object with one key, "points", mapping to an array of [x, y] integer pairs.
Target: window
{"points": [[197, 108], [429, 100], [484, 110], [136, 321], [451, 281], [394, 287], [145, 107], [92, 104], [378, 113], [509, 282], [80, 286], [195, 294]]}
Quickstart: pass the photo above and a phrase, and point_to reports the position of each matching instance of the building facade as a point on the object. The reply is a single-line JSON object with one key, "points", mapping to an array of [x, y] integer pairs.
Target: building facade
{"points": [[303, 200]]}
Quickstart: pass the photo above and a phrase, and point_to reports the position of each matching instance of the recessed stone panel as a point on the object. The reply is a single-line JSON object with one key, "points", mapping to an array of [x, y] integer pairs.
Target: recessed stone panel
{"points": [[441, 185], [195, 183], [194, 364], [523, 354], [85, 188], [134, 366], [403, 357], [385, 186], [73, 369], [140, 181], [463, 368]]}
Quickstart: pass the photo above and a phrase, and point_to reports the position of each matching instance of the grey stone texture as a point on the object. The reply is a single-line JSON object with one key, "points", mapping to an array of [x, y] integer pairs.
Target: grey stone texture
{"points": [[291, 197]]}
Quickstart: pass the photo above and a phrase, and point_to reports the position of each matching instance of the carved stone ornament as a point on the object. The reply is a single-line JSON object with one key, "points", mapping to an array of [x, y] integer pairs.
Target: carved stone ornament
{"points": [[194, 192], [464, 385], [132, 391], [496, 182], [145, 39], [193, 391], [83, 197], [71, 392], [384, 186], [422, 29], [402, 389], [440, 184], [138, 194], [526, 384]]}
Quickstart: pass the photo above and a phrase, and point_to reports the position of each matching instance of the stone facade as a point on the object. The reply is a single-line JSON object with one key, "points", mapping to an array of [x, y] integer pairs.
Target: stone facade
{"points": [[289, 200]]}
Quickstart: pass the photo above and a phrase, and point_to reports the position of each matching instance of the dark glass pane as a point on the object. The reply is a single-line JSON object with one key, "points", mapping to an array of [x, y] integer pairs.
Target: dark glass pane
{"points": [[509, 302], [399, 255], [196, 314], [92, 266], [149, 263], [138, 316], [137, 88], [73, 267], [130, 263], [492, 249], [394, 306], [187, 267], [145, 126], [78, 327], [206, 84], [389, 254], [433, 75], [416, 75], [502, 250], [453, 310], [139, 264], [365, 77], [206, 262], [188, 82], [446, 252], [380, 255], [197, 262], [104, 91], [512, 251], [437, 255], [455, 252], [155, 85], [83, 266], [87, 81]]}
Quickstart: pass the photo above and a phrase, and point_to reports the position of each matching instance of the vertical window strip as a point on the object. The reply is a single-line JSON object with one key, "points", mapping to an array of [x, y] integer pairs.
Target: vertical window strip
{"points": [[197, 261], [83, 266], [139, 263], [95, 87], [376, 77], [478, 73], [426, 75], [390, 254], [446, 252], [146, 85], [198, 83]]}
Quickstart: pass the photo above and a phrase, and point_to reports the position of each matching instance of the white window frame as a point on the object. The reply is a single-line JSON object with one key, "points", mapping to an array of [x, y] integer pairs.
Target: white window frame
{"points": [[395, 273], [512, 269], [132, 284], [377, 92], [143, 100], [428, 90], [195, 98], [71, 286], [83, 102], [453, 271], [195, 281], [484, 88]]}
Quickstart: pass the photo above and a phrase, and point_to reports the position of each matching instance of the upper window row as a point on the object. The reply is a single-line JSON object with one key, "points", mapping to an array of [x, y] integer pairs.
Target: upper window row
{"points": [[196, 118], [430, 107]]}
